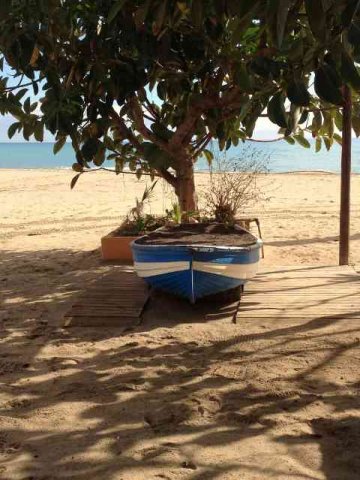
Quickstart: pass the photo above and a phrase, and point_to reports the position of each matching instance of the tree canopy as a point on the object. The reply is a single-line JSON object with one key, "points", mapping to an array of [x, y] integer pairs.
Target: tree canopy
{"points": [[149, 83]]}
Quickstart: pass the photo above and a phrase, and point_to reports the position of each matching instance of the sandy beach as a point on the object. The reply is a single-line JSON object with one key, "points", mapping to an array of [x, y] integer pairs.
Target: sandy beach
{"points": [[224, 401]]}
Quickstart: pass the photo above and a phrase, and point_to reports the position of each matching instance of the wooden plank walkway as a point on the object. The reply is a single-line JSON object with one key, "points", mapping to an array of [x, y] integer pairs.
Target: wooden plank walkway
{"points": [[302, 292], [117, 299]]}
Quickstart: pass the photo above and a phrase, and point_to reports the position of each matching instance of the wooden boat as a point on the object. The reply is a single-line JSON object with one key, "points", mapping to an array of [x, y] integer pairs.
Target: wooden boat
{"points": [[182, 266]]}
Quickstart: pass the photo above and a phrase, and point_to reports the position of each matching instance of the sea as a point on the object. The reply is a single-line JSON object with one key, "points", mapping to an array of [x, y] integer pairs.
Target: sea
{"points": [[281, 157]]}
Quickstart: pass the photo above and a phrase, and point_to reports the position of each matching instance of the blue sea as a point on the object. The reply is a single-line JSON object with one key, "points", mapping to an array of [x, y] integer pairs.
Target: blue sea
{"points": [[282, 156]]}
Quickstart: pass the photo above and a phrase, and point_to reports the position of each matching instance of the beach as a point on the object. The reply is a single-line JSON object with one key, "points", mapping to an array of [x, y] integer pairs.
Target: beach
{"points": [[73, 402], [39, 212]]}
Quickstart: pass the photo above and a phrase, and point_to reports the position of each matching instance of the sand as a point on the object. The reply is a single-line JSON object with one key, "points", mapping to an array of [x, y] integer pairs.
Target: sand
{"points": [[175, 398]]}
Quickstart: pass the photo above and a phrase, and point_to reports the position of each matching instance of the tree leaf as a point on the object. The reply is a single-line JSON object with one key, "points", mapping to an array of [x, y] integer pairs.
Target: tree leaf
{"points": [[242, 78], [276, 110], [77, 167], [34, 56], [354, 34], [35, 88], [304, 117], [197, 13], [58, 145], [316, 18], [27, 106], [302, 141], [28, 130], [356, 125], [277, 13], [39, 132], [209, 156], [141, 14], [349, 71], [115, 9], [318, 144], [100, 156], [289, 140], [160, 17], [13, 128], [325, 86], [74, 180], [316, 122], [328, 142], [338, 120], [182, 7], [293, 119], [119, 165], [90, 148], [327, 4], [243, 12], [348, 14], [21, 93], [337, 138], [4, 9], [298, 94], [328, 125]]}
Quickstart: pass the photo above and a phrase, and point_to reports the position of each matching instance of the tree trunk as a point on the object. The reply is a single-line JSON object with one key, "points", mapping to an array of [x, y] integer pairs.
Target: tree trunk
{"points": [[185, 189]]}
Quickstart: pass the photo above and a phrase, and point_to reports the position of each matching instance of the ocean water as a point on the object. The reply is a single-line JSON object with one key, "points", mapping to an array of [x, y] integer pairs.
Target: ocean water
{"points": [[282, 156]]}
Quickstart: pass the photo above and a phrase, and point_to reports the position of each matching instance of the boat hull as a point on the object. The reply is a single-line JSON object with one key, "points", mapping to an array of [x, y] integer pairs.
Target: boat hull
{"points": [[194, 272]]}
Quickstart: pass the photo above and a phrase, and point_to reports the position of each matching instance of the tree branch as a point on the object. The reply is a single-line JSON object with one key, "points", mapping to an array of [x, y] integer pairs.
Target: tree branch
{"points": [[17, 87], [162, 172], [105, 169], [138, 117], [169, 177], [264, 141], [195, 111], [126, 132]]}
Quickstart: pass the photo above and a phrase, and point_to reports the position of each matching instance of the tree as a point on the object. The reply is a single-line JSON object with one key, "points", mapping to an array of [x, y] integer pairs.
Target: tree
{"points": [[148, 83]]}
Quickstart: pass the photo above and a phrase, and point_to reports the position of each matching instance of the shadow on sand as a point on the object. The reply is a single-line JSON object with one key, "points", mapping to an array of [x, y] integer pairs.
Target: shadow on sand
{"points": [[178, 397]]}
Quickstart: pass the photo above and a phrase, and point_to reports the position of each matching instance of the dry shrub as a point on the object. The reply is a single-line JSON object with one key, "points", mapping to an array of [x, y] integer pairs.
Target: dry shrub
{"points": [[234, 185]]}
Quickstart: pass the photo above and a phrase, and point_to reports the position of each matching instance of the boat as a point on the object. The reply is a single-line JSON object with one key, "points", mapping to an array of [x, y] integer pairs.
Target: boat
{"points": [[191, 269]]}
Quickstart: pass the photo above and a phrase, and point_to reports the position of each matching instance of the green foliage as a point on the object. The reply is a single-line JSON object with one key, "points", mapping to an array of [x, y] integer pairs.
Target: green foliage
{"points": [[174, 214], [298, 94], [137, 221], [148, 83], [276, 110], [327, 84]]}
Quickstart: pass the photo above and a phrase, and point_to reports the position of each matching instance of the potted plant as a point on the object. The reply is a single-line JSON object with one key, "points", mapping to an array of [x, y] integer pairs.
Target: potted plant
{"points": [[116, 245]]}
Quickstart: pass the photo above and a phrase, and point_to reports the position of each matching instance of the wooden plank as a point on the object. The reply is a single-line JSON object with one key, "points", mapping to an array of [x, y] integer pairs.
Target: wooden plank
{"points": [[303, 293], [115, 300], [112, 322]]}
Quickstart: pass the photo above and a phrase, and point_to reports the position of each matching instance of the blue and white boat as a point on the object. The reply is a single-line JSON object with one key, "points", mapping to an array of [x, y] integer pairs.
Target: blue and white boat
{"points": [[195, 271]]}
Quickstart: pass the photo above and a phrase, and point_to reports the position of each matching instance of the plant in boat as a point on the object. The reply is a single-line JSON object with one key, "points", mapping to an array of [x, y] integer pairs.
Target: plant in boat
{"points": [[149, 83], [138, 222], [174, 214], [234, 185]]}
